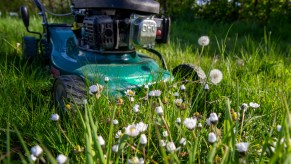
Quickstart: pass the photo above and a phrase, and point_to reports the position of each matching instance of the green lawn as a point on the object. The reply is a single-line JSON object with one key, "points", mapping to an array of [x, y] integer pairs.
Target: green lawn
{"points": [[255, 63]]}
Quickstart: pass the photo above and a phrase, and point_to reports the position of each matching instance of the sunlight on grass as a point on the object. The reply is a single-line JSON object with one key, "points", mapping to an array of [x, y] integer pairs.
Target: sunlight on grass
{"points": [[239, 114]]}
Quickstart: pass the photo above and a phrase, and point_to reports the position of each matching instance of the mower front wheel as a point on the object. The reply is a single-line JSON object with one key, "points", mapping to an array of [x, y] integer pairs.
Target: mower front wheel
{"points": [[189, 72], [69, 91]]}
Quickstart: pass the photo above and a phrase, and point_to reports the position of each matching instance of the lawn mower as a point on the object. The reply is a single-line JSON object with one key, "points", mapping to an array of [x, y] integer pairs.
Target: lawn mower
{"points": [[101, 44]]}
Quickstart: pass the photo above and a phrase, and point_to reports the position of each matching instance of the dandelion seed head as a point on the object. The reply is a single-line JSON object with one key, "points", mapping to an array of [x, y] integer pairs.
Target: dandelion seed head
{"points": [[215, 76], [203, 41], [165, 134]]}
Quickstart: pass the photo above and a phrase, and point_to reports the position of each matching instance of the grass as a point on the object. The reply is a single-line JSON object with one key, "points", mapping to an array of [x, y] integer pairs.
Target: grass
{"points": [[256, 68]]}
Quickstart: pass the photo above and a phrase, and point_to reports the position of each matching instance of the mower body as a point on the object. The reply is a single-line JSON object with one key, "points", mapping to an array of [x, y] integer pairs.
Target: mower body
{"points": [[126, 70]]}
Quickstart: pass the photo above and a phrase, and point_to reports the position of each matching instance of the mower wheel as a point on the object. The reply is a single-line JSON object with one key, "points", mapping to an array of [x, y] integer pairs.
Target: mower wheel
{"points": [[29, 47], [69, 91], [189, 72]]}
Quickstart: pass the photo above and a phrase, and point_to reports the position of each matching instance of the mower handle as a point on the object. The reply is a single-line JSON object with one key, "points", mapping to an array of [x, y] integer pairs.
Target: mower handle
{"points": [[40, 6]]}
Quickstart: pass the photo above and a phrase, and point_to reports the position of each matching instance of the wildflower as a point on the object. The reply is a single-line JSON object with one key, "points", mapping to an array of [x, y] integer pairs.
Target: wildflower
{"points": [[183, 141], [55, 117], [171, 146], [131, 99], [242, 147], [215, 76], [115, 148], [244, 107], [36, 151], [118, 134], [155, 93], [178, 102], [115, 122], [101, 141], [203, 41], [106, 79], [120, 101], [32, 157], [178, 120], [135, 160], [165, 134], [85, 101], [136, 108], [78, 149], [211, 137], [200, 126], [18, 45], [164, 100], [129, 92], [62, 159], [143, 139], [141, 127], [190, 123], [176, 94], [68, 106], [162, 143], [146, 86], [208, 122], [182, 87], [93, 89], [279, 127], [159, 110], [254, 105], [206, 87], [131, 130], [213, 118]]}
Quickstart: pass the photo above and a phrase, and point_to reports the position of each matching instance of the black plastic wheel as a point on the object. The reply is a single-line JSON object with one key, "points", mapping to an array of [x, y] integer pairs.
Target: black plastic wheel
{"points": [[69, 89], [29, 47], [189, 72]]}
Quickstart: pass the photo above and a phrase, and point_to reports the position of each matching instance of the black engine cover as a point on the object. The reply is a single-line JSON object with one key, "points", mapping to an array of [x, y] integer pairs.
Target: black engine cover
{"points": [[99, 32]]}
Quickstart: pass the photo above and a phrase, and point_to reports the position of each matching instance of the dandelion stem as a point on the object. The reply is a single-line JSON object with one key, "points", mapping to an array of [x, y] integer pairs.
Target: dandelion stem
{"points": [[242, 124], [63, 132], [167, 127]]}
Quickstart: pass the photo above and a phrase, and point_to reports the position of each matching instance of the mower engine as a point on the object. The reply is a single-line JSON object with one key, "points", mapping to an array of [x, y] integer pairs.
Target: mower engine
{"points": [[118, 30]]}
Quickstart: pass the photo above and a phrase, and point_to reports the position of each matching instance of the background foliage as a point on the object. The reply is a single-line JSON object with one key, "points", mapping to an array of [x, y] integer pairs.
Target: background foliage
{"points": [[227, 10]]}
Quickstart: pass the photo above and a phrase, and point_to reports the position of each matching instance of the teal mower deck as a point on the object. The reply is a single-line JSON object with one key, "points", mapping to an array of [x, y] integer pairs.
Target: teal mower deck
{"points": [[101, 43]]}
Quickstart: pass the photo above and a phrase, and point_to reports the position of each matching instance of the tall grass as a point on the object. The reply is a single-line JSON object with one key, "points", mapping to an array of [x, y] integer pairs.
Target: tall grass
{"points": [[255, 66]]}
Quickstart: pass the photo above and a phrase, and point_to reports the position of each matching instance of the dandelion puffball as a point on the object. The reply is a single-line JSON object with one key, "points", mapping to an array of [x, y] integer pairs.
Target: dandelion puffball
{"points": [[215, 76], [203, 41]]}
